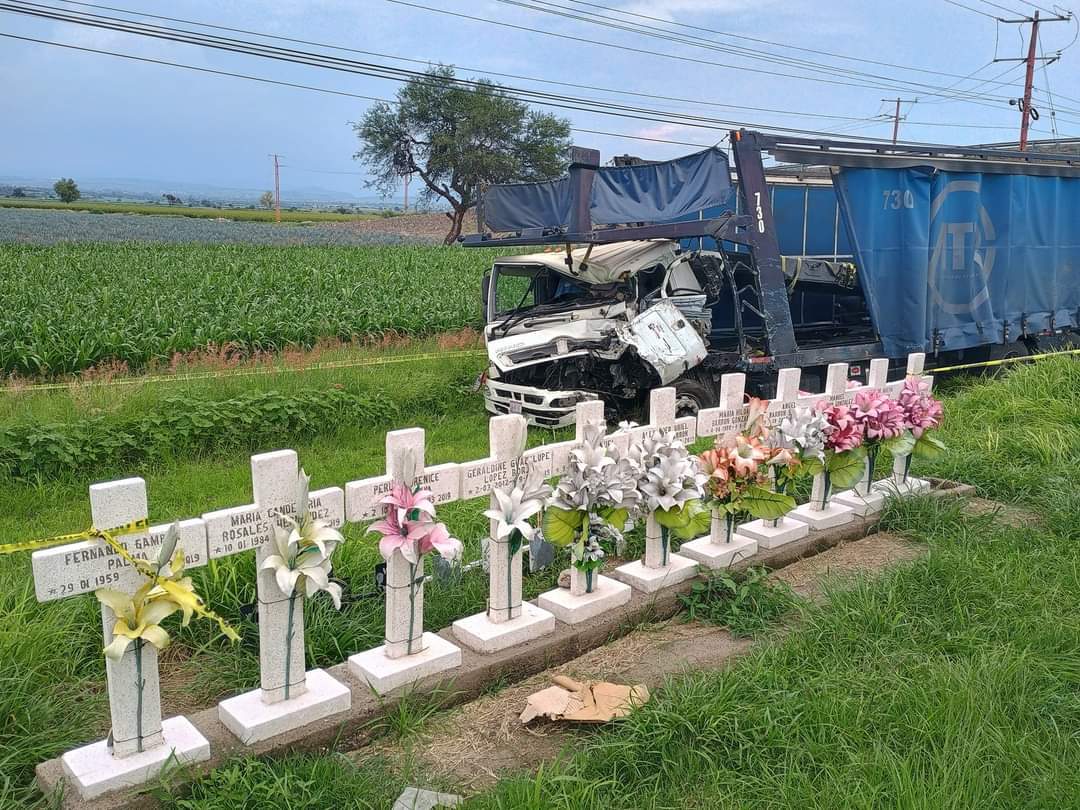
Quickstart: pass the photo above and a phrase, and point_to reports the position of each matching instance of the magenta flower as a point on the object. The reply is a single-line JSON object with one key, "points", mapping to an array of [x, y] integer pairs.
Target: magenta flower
{"points": [[881, 417], [921, 411], [410, 527], [843, 431]]}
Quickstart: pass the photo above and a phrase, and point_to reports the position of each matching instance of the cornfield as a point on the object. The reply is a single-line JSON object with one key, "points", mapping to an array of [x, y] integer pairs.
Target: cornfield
{"points": [[64, 308]]}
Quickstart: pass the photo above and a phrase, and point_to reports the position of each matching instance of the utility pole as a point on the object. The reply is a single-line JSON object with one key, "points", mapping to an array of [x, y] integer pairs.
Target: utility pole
{"points": [[1027, 112], [277, 188], [896, 115]]}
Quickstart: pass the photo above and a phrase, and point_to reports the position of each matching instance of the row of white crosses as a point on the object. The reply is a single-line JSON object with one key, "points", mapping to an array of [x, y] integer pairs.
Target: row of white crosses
{"points": [[291, 696]]}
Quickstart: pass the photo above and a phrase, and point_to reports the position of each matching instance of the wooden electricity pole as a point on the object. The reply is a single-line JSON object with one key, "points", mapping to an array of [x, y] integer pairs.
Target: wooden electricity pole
{"points": [[277, 188], [1025, 102], [896, 115]]}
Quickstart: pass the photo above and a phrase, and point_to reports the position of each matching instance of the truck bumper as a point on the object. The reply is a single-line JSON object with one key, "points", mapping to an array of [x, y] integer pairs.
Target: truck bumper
{"points": [[540, 407]]}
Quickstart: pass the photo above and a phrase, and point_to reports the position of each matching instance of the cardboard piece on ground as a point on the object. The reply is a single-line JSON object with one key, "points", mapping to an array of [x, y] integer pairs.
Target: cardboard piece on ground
{"points": [[584, 702]]}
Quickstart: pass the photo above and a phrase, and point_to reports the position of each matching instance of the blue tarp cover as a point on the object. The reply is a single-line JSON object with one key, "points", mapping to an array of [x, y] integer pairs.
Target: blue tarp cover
{"points": [[655, 192], [963, 253]]}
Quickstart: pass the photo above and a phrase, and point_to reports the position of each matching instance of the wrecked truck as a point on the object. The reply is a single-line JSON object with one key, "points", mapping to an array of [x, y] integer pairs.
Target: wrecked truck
{"points": [[675, 273]]}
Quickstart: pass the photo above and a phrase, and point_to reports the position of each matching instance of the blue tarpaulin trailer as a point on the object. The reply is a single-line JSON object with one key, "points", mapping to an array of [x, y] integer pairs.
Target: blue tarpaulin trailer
{"points": [[948, 250]]}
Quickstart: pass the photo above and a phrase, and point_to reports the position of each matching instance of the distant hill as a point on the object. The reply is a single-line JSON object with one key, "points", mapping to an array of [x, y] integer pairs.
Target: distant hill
{"points": [[147, 190]]}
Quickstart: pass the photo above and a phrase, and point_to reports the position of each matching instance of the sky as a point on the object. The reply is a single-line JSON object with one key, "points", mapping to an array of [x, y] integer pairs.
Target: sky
{"points": [[78, 114]]}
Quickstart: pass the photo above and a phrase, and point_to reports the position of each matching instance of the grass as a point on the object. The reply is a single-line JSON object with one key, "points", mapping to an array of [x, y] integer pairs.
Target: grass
{"points": [[946, 683], [70, 307], [197, 212], [55, 699]]}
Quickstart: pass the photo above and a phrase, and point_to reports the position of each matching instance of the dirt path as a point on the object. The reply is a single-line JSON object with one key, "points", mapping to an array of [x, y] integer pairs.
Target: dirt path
{"points": [[472, 745]]}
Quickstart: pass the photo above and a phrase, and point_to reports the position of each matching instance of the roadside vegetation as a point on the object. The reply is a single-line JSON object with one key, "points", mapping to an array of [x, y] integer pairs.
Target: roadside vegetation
{"points": [[946, 682], [71, 307], [196, 211]]}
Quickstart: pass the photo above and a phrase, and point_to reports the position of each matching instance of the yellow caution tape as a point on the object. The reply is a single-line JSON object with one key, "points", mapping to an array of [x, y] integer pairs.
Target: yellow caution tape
{"points": [[187, 599], [1004, 361], [134, 527], [254, 372]]}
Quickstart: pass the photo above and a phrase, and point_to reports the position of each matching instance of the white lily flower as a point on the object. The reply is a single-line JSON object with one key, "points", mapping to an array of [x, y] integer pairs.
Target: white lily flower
{"points": [[302, 558]]}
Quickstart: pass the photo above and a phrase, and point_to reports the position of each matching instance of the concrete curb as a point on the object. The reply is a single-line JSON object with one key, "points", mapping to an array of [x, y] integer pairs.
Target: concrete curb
{"points": [[349, 730]]}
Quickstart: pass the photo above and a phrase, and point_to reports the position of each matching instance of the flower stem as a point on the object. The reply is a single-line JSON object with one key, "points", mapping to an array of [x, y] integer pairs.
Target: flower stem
{"points": [[665, 542], [288, 642], [907, 468], [412, 607], [510, 584], [729, 524], [589, 580], [139, 686], [825, 489]]}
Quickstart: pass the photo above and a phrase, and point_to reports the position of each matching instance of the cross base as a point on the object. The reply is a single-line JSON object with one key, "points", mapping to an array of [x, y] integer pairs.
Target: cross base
{"points": [[913, 486], [768, 536], [862, 505], [606, 595], [383, 674], [639, 576], [480, 633], [252, 720], [93, 771], [832, 515], [715, 555]]}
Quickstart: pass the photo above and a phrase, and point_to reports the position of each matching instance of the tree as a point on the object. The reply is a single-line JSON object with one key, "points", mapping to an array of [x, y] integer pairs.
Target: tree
{"points": [[267, 199], [457, 137], [172, 199], [18, 191], [66, 190]]}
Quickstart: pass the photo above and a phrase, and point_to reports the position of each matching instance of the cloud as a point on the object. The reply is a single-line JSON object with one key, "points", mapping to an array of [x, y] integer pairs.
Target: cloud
{"points": [[668, 132]]}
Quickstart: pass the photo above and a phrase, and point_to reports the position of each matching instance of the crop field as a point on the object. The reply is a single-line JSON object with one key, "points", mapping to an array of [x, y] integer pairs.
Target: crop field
{"points": [[66, 308], [37, 226], [196, 211]]}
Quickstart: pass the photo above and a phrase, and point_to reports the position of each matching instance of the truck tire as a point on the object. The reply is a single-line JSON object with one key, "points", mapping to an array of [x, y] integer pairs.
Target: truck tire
{"points": [[693, 394]]}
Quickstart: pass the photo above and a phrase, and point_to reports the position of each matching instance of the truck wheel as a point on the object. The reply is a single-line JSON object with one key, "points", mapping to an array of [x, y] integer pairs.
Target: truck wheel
{"points": [[692, 395]]}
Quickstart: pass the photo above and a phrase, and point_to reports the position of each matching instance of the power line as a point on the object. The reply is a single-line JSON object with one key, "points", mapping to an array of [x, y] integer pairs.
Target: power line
{"points": [[293, 85], [916, 87], [375, 70], [462, 67], [792, 46], [607, 22], [969, 8]]}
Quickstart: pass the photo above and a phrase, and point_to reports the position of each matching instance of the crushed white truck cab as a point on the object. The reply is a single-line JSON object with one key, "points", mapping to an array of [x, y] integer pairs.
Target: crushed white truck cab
{"points": [[563, 327]]}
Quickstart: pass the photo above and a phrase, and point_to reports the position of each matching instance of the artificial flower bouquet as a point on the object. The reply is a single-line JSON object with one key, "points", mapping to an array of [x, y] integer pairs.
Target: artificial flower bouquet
{"points": [[513, 516], [672, 489], [410, 530], [592, 503], [844, 461], [738, 475], [922, 413]]}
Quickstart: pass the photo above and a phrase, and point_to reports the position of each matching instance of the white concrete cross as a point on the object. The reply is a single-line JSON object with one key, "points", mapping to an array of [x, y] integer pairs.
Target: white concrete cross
{"points": [[507, 620], [139, 742], [505, 467], [408, 653], [662, 410], [730, 415], [861, 498], [902, 482], [405, 463], [91, 564], [275, 483]]}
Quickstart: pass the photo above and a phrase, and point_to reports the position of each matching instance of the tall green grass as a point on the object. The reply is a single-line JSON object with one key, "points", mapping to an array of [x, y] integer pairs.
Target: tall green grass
{"points": [[72, 306]]}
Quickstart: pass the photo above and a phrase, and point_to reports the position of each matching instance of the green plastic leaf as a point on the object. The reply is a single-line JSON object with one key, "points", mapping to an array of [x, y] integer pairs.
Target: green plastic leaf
{"points": [[561, 526], [766, 504], [811, 466], [846, 469], [615, 517], [901, 446], [928, 446], [672, 518], [698, 518]]}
